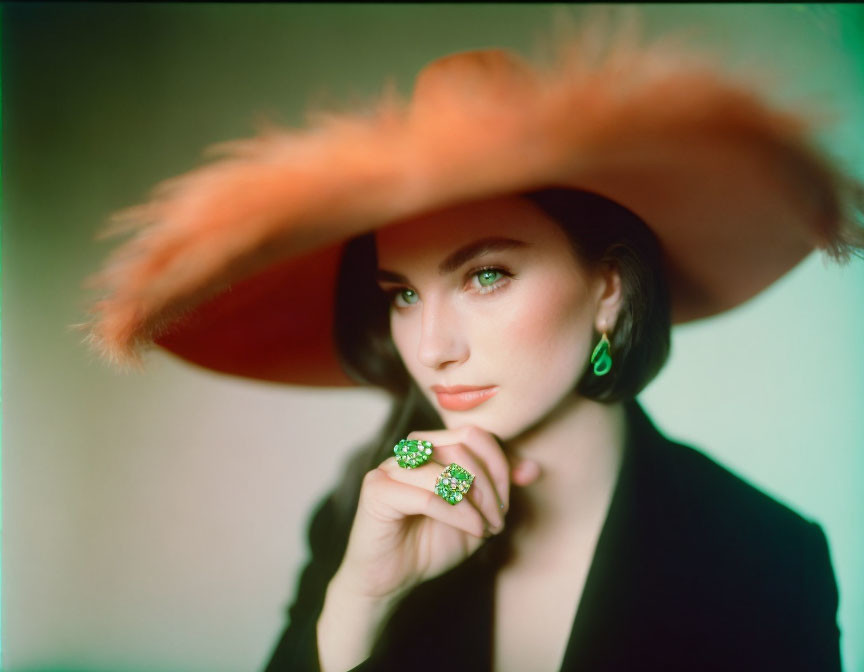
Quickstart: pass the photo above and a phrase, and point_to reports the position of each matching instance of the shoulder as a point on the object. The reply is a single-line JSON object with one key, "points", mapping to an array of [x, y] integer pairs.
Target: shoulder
{"points": [[708, 498], [710, 537], [721, 560], [681, 489]]}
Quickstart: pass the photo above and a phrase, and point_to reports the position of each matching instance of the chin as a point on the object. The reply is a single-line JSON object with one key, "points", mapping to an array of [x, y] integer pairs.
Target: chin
{"points": [[503, 426]]}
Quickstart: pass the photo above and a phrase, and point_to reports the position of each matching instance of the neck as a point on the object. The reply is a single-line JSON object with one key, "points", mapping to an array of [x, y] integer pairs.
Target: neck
{"points": [[578, 448]]}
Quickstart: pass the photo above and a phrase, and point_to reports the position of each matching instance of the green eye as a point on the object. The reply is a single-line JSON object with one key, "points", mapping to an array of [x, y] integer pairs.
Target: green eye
{"points": [[488, 277], [406, 297]]}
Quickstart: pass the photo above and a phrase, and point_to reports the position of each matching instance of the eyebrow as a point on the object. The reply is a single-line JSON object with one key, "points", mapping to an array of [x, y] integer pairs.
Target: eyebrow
{"points": [[461, 256]]}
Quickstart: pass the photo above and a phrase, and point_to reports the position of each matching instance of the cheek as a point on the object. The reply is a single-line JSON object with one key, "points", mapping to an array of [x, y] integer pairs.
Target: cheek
{"points": [[546, 330]]}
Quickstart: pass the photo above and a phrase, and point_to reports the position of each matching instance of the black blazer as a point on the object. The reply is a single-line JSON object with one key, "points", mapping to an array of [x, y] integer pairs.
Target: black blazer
{"points": [[694, 570]]}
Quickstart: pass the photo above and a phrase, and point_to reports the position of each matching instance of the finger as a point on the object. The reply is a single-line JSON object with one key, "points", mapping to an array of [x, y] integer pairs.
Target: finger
{"points": [[525, 472], [484, 446], [426, 477], [395, 499], [483, 491]]}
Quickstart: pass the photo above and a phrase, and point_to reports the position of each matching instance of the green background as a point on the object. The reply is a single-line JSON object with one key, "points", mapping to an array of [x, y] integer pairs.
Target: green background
{"points": [[147, 521]]}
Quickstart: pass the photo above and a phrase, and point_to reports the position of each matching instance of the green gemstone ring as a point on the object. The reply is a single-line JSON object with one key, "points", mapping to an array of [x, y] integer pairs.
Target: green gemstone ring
{"points": [[453, 484], [412, 454]]}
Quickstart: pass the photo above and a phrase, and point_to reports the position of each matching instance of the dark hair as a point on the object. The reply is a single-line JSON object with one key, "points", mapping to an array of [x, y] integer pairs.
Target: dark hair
{"points": [[601, 232]]}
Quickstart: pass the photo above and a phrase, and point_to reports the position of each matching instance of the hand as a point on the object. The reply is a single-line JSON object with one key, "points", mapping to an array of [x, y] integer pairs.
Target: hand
{"points": [[403, 533]]}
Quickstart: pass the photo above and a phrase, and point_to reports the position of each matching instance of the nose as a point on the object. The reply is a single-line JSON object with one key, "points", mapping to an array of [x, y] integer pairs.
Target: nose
{"points": [[442, 340]]}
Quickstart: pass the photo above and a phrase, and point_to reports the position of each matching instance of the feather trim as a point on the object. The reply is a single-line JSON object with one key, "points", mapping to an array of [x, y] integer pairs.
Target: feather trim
{"points": [[286, 192]]}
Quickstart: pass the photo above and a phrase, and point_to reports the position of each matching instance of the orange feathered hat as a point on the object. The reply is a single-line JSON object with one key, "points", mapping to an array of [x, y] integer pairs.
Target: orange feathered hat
{"points": [[233, 265]]}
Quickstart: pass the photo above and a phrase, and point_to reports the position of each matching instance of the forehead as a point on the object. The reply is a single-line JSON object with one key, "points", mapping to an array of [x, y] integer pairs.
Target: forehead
{"points": [[433, 235]]}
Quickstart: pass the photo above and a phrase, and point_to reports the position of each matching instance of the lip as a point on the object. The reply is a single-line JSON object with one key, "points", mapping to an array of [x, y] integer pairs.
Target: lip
{"points": [[463, 397]]}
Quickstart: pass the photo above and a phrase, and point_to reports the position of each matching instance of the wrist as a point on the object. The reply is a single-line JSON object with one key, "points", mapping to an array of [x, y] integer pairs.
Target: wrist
{"points": [[349, 624], [343, 588]]}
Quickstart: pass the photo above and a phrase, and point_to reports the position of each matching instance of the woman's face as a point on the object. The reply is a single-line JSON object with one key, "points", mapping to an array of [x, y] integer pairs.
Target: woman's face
{"points": [[491, 311]]}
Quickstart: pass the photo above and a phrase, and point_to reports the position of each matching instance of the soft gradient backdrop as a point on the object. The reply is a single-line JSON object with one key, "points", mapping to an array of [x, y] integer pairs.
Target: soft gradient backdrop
{"points": [[156, 522]]}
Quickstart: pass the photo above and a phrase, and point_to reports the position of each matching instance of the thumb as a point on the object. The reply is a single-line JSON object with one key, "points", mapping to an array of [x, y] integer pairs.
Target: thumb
{"points": [[525, 472]]}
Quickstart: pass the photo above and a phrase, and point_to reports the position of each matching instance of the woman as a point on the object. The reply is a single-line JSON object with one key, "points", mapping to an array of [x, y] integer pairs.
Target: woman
{"points": [[526, 226], [520, 288]]}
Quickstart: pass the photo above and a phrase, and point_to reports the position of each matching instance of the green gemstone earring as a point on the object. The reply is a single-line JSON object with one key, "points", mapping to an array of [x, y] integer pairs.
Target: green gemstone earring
{"points": [[600, 358]]}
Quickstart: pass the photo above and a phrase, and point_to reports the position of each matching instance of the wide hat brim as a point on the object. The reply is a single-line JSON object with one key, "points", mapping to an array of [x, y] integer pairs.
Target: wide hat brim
{"points": [[233, 265]]}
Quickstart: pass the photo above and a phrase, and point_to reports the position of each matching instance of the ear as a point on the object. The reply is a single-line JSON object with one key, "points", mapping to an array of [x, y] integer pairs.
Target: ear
{"points": [[609, 296]]}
